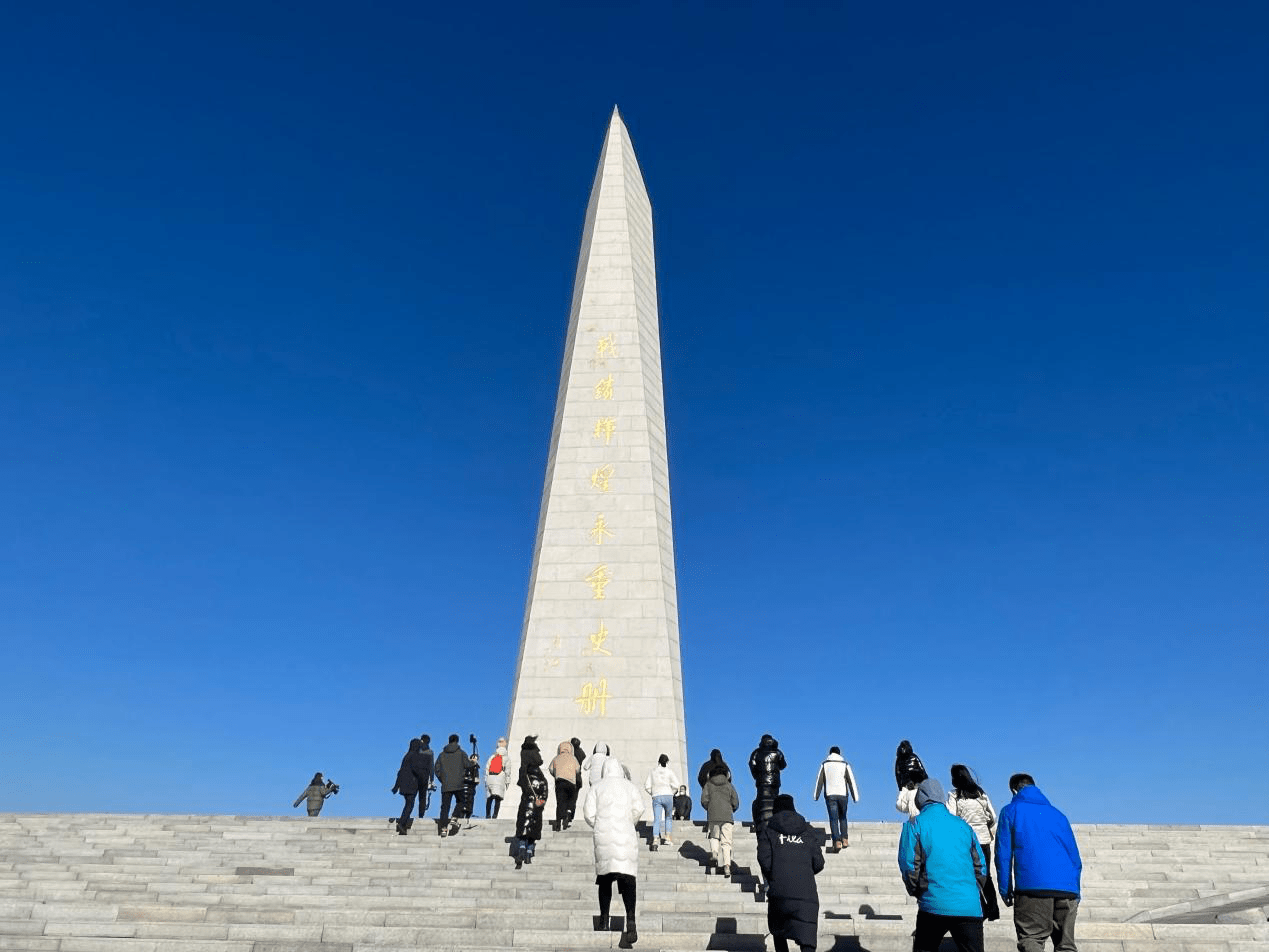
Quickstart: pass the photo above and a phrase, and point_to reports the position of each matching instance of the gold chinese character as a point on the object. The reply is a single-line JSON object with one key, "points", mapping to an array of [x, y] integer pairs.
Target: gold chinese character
{"points": [[600, 477], [606, 346], [594, 697], [603, 389], [598, 579], [557, 642], [550, 662], [597, 639], [605, 427], [600, 530]]}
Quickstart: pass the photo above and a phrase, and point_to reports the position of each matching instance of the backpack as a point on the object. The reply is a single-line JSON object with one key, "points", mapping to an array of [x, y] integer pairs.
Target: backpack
{"points": [[495, 764]]}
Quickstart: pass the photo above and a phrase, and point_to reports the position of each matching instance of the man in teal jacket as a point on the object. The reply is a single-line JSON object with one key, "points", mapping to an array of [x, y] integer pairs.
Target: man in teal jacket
{"points": [[1038, 867], [942, 866]]}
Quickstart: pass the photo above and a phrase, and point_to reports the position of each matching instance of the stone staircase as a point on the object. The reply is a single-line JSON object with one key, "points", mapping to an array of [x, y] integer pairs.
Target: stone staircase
{"points": [[165, 883]]}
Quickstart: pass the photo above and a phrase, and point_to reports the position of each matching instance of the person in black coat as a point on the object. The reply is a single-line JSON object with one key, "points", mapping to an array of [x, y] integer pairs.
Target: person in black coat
{"points": [[765, 764], [707, 768], [429, 762], [682, 805], [533, 793], [908, 769], [414, 774], [790, 856]]}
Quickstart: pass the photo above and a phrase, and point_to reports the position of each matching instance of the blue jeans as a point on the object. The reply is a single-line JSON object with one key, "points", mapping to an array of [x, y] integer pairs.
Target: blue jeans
{"points": [[837, 817], [662, 815]]}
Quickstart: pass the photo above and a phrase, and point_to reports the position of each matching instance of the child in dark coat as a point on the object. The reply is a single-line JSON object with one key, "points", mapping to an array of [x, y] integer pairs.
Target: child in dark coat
{"points": [[682, 805], [790, 856]]}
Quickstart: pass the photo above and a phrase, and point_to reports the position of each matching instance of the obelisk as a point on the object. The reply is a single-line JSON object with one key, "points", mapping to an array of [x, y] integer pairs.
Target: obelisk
{"points": [[599, 650]]}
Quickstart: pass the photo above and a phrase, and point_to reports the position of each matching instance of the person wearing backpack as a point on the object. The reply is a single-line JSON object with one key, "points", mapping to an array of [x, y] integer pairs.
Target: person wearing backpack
{"points": [[497, 772], [837, 782]]}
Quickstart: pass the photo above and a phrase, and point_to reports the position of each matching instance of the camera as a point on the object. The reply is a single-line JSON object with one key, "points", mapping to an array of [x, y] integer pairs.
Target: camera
{"points": [[471, 738], [332, 786]]}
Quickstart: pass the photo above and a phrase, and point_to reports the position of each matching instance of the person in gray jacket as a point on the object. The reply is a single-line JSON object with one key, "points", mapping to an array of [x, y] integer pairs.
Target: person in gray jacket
{"points": [[721, 801], [451, 765], [316, 793]]}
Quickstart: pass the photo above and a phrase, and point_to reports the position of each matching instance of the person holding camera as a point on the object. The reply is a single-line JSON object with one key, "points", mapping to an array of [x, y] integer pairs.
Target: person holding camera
{"points": [[316, 793]]}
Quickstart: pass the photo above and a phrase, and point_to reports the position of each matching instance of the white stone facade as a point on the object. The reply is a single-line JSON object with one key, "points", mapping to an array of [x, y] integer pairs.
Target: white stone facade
{"points": [[599, 650]]}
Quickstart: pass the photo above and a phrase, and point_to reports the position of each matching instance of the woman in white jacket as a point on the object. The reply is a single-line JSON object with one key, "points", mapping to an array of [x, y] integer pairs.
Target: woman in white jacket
{"points": [[970, 802], [612, 807], [662, 785], [496, 781]]}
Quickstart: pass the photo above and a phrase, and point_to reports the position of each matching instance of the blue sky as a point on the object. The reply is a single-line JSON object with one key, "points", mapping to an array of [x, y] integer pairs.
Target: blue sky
{"points": [[964, 342]]}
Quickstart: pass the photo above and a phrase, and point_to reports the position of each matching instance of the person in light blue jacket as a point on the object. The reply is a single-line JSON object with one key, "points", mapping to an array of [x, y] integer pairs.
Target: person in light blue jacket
{"points": [[1038, 867], [942, 867]]}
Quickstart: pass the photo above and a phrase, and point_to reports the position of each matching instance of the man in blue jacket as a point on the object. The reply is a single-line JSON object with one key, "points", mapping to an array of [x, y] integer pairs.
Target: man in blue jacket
{"points": [[942, 866], [1038, 867]]}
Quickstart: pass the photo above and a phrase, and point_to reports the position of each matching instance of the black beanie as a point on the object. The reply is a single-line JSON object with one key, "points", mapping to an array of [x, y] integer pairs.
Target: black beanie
{"points": [[783, 802]]}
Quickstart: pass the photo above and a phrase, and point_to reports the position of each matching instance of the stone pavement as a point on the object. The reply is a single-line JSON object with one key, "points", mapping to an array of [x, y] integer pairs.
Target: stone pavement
{"points": [[169, 883]]}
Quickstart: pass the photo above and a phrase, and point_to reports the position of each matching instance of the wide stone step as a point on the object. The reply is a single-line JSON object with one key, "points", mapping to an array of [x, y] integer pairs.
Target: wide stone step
{"points": [[164, 883]]}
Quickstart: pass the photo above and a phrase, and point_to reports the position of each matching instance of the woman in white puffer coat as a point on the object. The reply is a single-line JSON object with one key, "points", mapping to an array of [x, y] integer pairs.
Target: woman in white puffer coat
{"points": [[611, 808]]}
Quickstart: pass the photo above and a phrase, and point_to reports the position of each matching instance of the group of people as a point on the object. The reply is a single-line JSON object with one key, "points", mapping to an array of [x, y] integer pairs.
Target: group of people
{"points": [[945, 847], [945, 857], [457, 773]]}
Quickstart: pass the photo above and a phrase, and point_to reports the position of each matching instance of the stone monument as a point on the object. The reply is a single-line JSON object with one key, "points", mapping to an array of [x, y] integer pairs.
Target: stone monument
{"points": [[599, 650]]}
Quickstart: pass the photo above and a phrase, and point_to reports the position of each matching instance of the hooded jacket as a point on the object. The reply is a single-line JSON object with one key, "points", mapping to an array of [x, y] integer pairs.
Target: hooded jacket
{"points": [[564, 766], [908, 768], [789, 854], [1036, 852], [612, 807], [496, 784], [836, 779], [450, 766], [939, 857], [533, 793], [594, 764], [720, 799], [766, 762]]}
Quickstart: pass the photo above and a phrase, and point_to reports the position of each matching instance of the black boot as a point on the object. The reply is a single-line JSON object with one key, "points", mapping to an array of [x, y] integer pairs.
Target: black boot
{"points": [[629, 937], [604, 924]]}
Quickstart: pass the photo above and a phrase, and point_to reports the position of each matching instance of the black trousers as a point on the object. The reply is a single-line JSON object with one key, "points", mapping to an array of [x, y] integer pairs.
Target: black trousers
{"points": [[625, 885], [991, 905], [492, 803], [456, 798], [565, 801], [967, 932], [782, 945], [409, 807], [764, 806]]}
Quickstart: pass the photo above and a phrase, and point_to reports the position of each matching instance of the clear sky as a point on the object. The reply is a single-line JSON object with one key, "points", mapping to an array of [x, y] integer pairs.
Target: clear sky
{"points": [[964, 337]]}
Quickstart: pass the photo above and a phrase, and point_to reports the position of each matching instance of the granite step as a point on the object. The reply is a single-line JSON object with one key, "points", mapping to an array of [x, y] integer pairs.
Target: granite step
{"points": [[168, 883]]}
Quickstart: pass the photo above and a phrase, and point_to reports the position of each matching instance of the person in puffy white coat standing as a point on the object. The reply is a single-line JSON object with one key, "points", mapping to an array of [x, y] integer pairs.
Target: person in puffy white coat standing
{"points": [[612, 807]]}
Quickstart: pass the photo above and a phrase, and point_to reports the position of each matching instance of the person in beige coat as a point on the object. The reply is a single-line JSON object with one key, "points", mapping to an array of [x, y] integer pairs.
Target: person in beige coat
{"points": [[568, 778]]}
